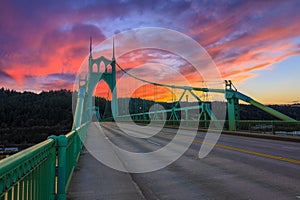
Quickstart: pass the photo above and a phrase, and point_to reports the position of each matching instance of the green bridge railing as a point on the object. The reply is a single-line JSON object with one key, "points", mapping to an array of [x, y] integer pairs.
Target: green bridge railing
{"points": [[274, 127], [42, 171]]}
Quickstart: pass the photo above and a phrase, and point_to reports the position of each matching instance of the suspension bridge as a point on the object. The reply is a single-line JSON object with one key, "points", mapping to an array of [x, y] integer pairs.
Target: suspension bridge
{"points": [[60, 168]]}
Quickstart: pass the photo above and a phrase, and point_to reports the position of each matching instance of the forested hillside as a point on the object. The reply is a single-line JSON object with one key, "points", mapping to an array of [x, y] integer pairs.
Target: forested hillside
{"points": [[29, 109], [29, 118]]}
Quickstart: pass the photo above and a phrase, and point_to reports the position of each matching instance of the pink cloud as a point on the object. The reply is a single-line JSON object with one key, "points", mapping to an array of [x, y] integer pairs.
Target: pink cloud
{"points": [[44, 38]]}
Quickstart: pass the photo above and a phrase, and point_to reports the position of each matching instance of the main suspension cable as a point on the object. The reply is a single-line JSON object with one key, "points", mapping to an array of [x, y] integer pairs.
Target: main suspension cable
{"points": [[171, 86]]}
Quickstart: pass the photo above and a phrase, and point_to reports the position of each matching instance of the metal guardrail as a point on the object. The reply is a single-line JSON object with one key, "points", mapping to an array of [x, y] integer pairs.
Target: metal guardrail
{"points": [[29, 174], [44, 170], [269, 127], [252, 126]]}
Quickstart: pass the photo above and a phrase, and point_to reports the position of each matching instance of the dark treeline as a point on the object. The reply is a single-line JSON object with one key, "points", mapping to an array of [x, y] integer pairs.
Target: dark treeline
{"points": [[249, 112], [28, 109], [28, 118]]}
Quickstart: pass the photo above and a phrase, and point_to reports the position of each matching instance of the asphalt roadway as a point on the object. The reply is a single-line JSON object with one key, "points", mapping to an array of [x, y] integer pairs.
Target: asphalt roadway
{"points": [[237, 168]]}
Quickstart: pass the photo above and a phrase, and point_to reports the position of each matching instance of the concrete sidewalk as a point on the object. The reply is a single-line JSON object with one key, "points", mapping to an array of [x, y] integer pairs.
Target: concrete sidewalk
{"points": [[93, 180]]}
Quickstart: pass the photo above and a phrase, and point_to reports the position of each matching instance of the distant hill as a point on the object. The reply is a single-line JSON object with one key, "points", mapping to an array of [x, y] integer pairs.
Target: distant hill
{"points": [[249, 112], [30, 118]]}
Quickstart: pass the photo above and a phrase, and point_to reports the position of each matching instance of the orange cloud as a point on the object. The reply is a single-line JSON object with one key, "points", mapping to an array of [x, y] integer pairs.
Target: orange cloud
{"points": [[40, 49]]}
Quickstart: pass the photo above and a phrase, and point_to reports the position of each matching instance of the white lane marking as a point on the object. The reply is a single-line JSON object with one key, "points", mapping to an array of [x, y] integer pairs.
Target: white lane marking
{"points": [[155, 143], [298, 197]]}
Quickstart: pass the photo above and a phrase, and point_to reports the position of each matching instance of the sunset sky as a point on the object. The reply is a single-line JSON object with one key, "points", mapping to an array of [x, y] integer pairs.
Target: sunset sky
{"points": [[254, 43]]}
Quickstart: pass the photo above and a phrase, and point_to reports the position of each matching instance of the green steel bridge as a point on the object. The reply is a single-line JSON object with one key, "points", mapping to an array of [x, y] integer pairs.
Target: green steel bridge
{"points": [[44, 171]]}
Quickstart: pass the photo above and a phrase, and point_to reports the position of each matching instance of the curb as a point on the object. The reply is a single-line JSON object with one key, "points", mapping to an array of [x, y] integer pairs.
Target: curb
{"points": [[253, 135], [264, 136]]}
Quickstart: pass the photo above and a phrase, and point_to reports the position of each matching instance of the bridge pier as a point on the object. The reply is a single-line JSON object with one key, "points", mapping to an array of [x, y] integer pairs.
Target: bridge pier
{"points": [[233, 108]]}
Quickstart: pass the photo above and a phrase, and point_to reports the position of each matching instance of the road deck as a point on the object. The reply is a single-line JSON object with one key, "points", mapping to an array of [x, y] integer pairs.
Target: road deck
{"points": [[237, 168]]}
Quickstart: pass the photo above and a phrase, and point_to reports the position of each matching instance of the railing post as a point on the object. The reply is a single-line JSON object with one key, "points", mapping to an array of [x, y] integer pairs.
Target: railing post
{"points": [[61, 168], [61, 171], [75, 148]]}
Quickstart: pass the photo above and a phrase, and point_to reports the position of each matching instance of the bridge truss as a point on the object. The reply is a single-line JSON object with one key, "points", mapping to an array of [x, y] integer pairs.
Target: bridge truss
{"points": [[85, 109]]}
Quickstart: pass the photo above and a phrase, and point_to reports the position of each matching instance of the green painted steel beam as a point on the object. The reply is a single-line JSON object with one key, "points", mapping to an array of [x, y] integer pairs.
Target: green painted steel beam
{"points": [[206, 108], [267, 109], [271, 111], [161, 111], [79, 107]]}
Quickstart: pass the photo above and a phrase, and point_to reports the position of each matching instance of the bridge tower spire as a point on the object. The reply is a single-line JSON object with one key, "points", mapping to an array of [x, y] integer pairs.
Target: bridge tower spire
{"points": [[91, 40], [113, 82], [113, 50]]}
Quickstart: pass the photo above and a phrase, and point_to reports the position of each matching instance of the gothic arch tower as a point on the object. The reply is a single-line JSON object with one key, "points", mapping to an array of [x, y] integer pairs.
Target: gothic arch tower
{"points": [[104, 69]]}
